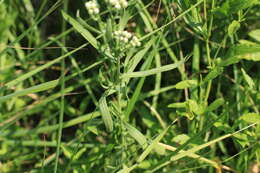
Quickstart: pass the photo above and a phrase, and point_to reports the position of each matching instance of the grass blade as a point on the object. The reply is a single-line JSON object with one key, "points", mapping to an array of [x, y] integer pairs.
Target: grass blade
{"points": [[37, 70], [34, 89]]}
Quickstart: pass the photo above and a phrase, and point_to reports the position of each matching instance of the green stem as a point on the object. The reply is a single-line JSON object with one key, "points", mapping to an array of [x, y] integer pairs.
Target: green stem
{"points": [[65, 5]]}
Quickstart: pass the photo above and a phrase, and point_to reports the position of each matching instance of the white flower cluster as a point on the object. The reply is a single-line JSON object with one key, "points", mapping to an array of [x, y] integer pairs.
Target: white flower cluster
{"points": [[92, 7], [127, 37], [118, 4]]}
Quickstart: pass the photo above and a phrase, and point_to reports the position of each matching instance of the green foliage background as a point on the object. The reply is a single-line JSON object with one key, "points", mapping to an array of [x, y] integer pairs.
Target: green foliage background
{"points": [[73, 100]]}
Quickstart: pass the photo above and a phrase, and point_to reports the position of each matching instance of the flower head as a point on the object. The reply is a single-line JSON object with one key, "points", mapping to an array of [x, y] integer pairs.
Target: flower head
{"points": [[118, 4], [92, 7], [127, 38]]}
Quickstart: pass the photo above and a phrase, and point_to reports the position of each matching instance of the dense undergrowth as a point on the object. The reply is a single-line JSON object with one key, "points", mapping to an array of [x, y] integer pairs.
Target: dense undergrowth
{"points": [[129, 86]]}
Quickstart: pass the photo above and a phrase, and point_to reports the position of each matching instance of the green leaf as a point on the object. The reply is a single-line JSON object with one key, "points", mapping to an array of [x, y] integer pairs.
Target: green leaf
{"points": [[233, 27], [255, 34], [229, 61], [152, 71], [248, 79], [109, 31], [139, 86], [245, 51], [137, 135], [193, 106], [152, 145], [233, 6], [177, 105], [159, 149], [123, 20], [106, 116], [186, 84], [34, 89], [213, 74], [37, 70], [68, 152], [251, 118], [79, 153], [214, 105], [181, 139], [78, 27], [138, 57], [126, 169]]}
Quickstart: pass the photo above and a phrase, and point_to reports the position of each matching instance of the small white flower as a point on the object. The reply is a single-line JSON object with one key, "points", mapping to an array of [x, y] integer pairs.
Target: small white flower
{"points": [[127, 38], [118, 4], [123, 3], [135, 42], [92, 7]]}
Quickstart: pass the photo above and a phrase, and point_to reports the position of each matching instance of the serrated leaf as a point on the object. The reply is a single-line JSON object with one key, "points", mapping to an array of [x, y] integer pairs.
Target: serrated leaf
{"points": [[251, 118], [186, 84], [106, 116], [233, 27], [248, 79]]}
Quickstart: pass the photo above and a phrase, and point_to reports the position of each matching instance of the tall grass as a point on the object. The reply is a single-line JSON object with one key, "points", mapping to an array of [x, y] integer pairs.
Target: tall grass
{"points": [[129, 86]]}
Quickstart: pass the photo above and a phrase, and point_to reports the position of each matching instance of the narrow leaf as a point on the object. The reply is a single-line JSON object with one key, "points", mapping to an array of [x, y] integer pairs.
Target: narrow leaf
{"points": [[213, 106], [78, 27], [177, 105], [251, 118], [152, 71], [233, 27], [152, 145], [34, 89], [255, 34], [186, 84], [137, 135], [213, 74], [106, 116], [37, 70], [248, 79]]}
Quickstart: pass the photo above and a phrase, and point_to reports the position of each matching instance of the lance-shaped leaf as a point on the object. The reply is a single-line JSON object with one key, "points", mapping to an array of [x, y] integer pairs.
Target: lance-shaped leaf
{"points": [[78, 27], [213, 74], [137, 135], [34, 89], [186, 84], [106, 116], [152, 145], [152, 71]]}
